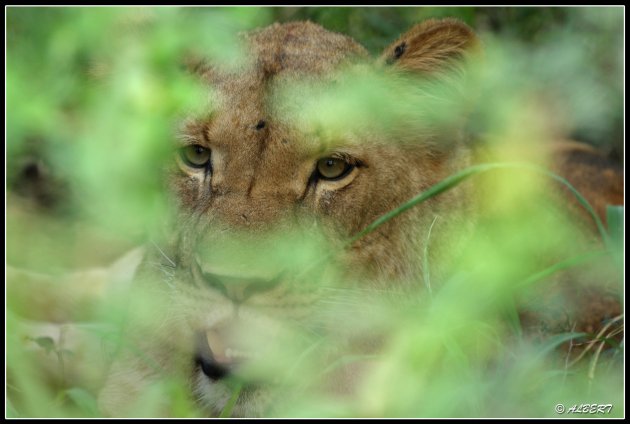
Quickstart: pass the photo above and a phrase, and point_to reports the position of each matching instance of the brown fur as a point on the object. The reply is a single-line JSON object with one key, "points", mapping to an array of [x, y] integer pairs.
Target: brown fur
{"points": [[431, 46], [598, 178]]}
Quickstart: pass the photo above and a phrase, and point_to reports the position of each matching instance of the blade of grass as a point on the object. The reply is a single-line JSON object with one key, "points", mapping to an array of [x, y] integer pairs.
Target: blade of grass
{"points": [[555, 341], [11, 411], [559, 266], [229, 406], [84, 400], [348, 359], [614, 218], [597, 338], [457, 178], [451, 182], [425, 259]]}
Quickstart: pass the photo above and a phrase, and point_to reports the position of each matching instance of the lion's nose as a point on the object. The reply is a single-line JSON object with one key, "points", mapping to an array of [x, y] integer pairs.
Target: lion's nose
{"points": [[238, 289], [211, 368], [222, 349], [205, 359]]}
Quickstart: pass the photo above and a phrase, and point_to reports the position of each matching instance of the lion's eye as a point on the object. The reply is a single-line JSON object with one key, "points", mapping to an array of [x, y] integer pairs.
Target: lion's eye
{"points": [[333, 168], [195, 156]]}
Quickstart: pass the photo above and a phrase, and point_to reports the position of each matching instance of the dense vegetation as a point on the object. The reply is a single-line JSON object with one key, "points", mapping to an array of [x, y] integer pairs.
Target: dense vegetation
{"points": [[93, 96]]}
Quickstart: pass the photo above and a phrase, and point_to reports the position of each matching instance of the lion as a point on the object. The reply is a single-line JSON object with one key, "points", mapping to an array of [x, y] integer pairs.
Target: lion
{"points": [[247, 171], [216, 293]]}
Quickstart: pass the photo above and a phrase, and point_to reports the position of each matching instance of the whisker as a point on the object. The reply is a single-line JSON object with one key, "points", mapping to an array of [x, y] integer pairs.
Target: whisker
{"points": [[171, 262]]}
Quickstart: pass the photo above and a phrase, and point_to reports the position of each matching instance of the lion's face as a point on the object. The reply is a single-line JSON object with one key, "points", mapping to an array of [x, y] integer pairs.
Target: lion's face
{"points": [[254, 184]]}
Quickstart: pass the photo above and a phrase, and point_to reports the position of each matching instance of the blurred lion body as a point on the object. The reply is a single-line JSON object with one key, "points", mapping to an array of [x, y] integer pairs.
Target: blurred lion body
{"points": [[597, 177]]}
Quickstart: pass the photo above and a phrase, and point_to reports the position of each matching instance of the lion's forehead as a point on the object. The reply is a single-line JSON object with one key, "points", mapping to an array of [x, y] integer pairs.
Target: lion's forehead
{"points": [[301, 48], [280, 55], [258, 105]]}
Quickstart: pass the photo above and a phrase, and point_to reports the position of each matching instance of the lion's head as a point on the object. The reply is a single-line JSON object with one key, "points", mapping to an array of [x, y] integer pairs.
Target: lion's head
{"points": [[255, 169]]}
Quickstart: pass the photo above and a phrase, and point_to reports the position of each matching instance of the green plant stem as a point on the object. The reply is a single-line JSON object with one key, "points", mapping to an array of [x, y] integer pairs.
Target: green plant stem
{"points": [[457, 178]]}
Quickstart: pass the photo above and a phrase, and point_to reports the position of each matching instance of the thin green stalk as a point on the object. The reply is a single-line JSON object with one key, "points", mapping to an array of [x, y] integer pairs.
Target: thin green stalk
{"points": [[559, 266], [425, 259], [457, 178], [229, 406]]}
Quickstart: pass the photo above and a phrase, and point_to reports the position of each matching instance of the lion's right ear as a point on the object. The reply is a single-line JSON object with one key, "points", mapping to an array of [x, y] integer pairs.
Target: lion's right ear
{"points": [[432, 46]]}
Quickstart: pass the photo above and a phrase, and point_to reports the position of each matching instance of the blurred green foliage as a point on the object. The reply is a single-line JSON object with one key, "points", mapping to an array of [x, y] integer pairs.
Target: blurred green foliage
{"points": [[93, 100]]}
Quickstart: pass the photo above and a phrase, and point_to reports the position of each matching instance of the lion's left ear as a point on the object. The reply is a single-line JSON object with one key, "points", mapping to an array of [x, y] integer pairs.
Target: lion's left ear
{"points": [[432, 46]]}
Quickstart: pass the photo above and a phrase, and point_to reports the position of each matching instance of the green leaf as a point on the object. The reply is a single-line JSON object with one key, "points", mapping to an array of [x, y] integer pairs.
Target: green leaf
{"points": [[229, 406], [46, 343], [348, 359], [610, 341], [11, 412], [555, 341], [559, 266], [84, 400], [614, 218]]}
